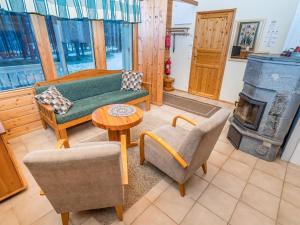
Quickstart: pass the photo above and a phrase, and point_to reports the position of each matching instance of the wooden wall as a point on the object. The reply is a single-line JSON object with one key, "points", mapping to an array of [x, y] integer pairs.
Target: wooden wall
{"points": [[99, 44], [169, 24], [18, 112], [151, 45]]}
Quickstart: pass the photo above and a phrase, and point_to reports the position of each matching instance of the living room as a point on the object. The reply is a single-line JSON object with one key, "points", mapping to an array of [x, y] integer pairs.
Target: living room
{"points": [[149, 112]]}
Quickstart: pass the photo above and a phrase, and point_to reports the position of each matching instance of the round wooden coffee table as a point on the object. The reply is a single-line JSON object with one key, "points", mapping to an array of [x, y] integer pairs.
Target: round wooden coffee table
{"points": [[117, 125]]}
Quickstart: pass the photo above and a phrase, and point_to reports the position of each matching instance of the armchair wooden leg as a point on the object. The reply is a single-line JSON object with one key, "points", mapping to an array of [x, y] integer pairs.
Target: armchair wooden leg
{"points": [[65, 218], [204, 167], [182, 190], [119, 211], [142, 150]]}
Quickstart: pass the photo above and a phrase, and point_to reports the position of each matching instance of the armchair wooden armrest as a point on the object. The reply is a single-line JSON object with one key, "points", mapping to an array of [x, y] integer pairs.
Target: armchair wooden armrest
{"points": [[124, 160], [164, 144], [184, 118], [62, 143]]}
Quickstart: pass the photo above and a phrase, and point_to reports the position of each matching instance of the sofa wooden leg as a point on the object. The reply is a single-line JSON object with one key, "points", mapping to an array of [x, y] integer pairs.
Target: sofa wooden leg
{"points": [[148, 104], [57, 134], [44, 124], [65, 218], [63, 135], [119, 211], [182, 190], [204, 167]]}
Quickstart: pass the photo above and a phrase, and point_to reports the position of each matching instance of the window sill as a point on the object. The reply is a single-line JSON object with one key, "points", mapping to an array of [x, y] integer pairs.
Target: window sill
{"points": [[237, 59]]}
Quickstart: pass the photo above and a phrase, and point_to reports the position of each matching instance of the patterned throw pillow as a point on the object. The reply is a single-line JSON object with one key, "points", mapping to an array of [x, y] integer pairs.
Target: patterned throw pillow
{"points": [[131, 80], [54, 98]]}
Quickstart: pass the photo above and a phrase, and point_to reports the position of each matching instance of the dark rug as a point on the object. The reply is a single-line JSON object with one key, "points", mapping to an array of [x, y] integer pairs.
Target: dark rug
{"points": [[190, 105]]}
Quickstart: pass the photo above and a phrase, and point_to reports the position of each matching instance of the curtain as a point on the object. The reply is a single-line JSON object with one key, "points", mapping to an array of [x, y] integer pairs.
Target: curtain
{"points": [[117, 10]]}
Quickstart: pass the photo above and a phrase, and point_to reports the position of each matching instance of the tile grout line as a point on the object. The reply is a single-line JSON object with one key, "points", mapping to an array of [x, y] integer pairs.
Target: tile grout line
{"points": [[288, 200], [239, 199], [210, 182], [165, 214], [151, 203], [264, 189], [272, 174], [210, 209], [160, 208], [253, 183], [254, 168], [286, 168]]}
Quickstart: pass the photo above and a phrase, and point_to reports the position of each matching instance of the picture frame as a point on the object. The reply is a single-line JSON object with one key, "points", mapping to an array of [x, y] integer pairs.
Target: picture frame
{"points": [[247, 34]]}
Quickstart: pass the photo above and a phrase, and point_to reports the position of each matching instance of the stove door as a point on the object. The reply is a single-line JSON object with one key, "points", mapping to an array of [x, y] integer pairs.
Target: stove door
{"points": [[248, 112]]}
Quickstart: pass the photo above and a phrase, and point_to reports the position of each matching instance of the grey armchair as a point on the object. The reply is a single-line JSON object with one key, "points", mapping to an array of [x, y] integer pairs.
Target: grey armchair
{"points": [[178, 152], [87, 176]]}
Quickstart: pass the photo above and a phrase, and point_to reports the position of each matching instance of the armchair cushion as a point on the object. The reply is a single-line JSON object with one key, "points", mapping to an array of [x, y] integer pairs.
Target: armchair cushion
{"points": [[201, 140], [86, 177], [159, 157]]}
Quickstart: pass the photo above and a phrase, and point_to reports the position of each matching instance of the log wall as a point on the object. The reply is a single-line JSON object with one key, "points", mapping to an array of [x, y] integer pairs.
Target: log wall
{"points": [[18, 112], [151, 46]]}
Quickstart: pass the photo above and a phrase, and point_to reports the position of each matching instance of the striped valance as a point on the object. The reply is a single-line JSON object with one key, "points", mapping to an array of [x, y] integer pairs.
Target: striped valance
{"points": [[124, 10]]}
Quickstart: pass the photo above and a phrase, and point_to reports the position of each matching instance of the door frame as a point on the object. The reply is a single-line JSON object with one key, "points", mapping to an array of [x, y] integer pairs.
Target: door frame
{"points": [[225, 53]]}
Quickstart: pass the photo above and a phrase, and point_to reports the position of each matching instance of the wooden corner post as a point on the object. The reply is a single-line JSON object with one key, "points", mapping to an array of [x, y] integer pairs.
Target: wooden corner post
{"points": [[99, 44], [44, 47]]}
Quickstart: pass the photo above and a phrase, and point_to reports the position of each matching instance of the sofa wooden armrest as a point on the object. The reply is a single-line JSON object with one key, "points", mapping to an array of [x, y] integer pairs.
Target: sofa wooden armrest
{"points": [[147, 86], [47, 115]]}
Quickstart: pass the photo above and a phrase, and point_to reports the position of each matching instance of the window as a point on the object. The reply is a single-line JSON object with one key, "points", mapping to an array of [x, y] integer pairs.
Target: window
{"points": [[118, 41], [20, 64], [72, 46]]}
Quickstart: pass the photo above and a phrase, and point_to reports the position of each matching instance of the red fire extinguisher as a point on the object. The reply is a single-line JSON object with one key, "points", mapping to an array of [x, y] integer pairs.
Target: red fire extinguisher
{"points": [[168, 41], [168, 67]]}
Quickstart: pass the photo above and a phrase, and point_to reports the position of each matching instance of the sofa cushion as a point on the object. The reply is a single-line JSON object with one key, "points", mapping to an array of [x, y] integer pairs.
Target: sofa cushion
{"points": [[86, 106], [80, 89], [54, 98], [131, 80]]}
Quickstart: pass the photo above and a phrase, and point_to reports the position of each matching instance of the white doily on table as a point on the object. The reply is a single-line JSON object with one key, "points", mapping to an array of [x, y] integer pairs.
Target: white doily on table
{"points": [[121, 110]]}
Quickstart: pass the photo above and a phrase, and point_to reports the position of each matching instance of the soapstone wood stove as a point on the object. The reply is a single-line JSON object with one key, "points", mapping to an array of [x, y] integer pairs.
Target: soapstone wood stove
{"points": [[267, 105]]}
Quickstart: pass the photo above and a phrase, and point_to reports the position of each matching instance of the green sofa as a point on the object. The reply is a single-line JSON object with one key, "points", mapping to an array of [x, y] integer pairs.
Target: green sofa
{"points": [[87, 94]]}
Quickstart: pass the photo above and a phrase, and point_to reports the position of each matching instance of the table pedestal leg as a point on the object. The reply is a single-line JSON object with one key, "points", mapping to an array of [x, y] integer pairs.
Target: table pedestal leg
{"points": [[115, 135]]}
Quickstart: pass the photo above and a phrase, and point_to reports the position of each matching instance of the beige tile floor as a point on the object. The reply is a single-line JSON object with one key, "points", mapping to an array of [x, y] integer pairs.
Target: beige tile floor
{"points": [[238, 189]]}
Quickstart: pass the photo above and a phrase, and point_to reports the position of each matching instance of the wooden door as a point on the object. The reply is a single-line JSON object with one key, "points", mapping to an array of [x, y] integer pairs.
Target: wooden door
{"points": [[211, 41]]}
